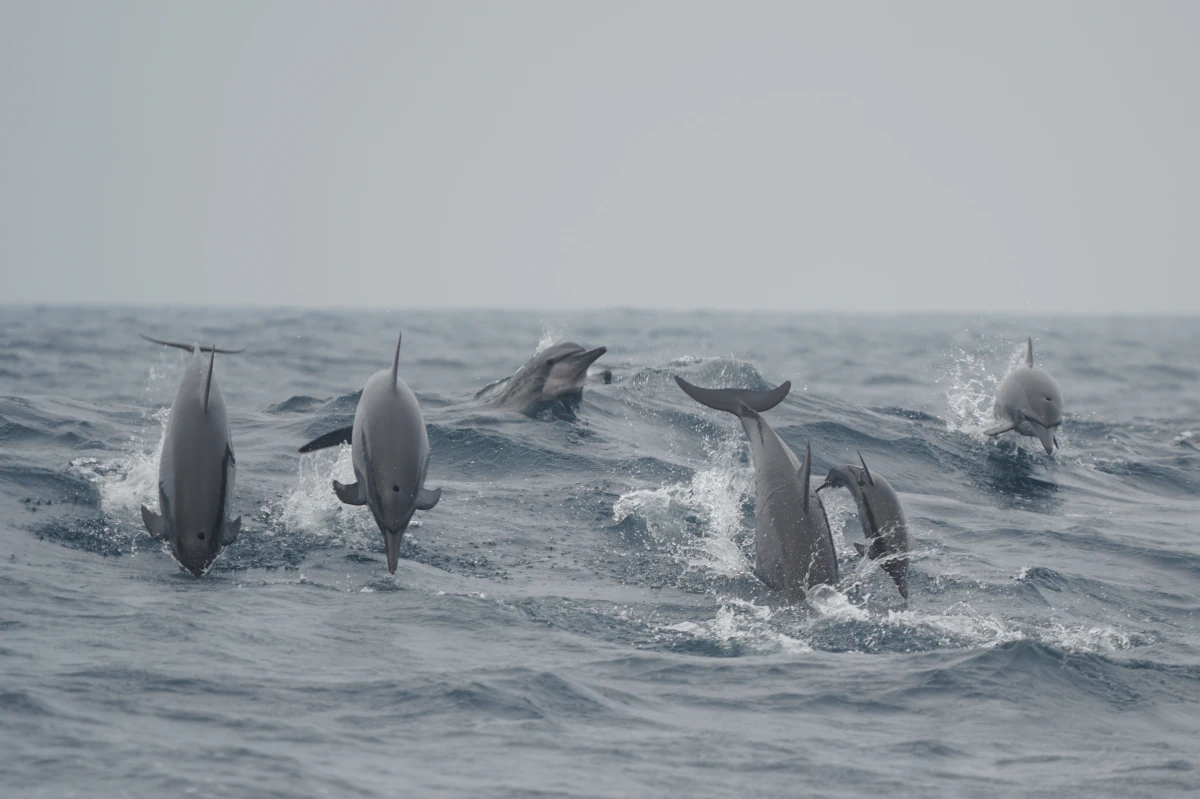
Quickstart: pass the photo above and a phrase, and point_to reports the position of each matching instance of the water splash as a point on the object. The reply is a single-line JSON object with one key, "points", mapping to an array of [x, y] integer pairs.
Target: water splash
{"points": [[743, 627], [551, 335], [715, 496], [312, 508], [971, 381]]}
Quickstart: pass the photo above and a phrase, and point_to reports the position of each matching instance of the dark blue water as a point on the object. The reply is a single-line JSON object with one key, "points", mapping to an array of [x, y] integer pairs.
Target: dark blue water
{"points": [[578, 616]]}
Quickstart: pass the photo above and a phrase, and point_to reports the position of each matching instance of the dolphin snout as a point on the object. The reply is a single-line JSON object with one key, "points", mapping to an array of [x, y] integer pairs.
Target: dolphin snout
{"points": [[392, 542], [588, 357]]}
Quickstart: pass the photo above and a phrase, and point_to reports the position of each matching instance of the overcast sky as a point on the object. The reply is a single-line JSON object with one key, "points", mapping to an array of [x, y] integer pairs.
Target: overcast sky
{"points": [[875, 156]]}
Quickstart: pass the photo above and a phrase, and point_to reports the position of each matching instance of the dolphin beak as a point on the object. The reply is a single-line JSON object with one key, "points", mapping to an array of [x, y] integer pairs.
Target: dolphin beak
{"points": [[586, 358], [392, 542], [1046, 436]]}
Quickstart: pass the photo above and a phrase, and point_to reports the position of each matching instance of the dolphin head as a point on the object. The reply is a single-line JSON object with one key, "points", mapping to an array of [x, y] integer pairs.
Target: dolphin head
{"points": [[196, 544], [564, 368], [393, 501], [851, 477], [1043, 406]]}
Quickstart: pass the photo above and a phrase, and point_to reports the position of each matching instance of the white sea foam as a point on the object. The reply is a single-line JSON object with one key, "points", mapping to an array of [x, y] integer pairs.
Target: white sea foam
{"points": [[746, 624], [313, 509], [715, 495], [971, 380]]}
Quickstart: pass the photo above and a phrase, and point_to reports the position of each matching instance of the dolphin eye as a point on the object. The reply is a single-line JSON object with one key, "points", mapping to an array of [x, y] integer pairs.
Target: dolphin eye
{"points": [[1049, 399], [200, 536], [396, 489]]}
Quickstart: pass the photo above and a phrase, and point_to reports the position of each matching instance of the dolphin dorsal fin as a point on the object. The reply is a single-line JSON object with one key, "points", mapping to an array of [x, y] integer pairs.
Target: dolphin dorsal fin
{"points": [[212, 359], [806, 473], [1029, 351], [866, 471], [396, 360]]}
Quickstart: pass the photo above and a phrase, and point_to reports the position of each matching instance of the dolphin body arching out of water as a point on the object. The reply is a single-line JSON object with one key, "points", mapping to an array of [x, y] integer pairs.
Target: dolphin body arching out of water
{"points": [[197, 467], [1029, 402], [555, 374], [793, 546], [881, 516], [390, 451]]}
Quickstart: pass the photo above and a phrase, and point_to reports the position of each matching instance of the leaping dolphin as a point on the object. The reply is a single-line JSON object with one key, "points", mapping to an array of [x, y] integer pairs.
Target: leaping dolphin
{"points": [[196, 470], [554, 374], [1028, 401], [882, 518], [390, 451], [792, 544]]}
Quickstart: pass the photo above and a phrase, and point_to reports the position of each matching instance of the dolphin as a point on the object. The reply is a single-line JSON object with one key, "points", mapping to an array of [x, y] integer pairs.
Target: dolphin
{"points": [[196, 470], [793, 547], [390, 451], [881, 516], [556, 373], [1028, 401]]}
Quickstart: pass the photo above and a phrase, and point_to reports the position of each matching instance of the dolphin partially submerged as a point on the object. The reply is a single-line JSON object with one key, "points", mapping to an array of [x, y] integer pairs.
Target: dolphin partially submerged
{"points": [[556, 373], [196, 470], [1029, 402], [390, 452], [881, 516], [793, 546]]}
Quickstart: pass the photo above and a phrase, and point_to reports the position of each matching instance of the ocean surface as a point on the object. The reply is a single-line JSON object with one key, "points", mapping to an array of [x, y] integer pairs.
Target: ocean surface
{"points": [[578, 617]]}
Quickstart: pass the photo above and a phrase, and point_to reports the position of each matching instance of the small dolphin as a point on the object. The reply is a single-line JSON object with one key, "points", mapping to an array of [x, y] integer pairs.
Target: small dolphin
{"points": [[881, 516], [196, 471], [792, 543], [390, 451], [1029, 402], [554, 374]]}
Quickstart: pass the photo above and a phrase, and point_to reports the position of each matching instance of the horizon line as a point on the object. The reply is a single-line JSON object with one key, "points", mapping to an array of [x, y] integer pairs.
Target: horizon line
{"points": [[103, 305]]}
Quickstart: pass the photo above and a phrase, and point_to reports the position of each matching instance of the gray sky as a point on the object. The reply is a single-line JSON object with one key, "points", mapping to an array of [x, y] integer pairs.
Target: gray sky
{"points": [[839, 155]]}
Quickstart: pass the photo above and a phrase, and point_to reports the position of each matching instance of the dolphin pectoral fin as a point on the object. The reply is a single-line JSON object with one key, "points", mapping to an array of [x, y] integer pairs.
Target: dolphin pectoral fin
{"points": [[331, 439], [155, 525], [426, 499], [860, 549], [352, 494], [1003, 427], [230, 532]]}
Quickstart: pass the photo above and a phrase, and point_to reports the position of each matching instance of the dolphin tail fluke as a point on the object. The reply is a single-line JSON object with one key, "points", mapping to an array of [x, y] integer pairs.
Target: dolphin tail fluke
{"points": [[735, 400], [1003, 427], [331, 439], [230, 532], [191, 347], [212, 360], [806, 473], [1029, 351], [426, 499], [350, 494], [396, 360], [155, 525]]}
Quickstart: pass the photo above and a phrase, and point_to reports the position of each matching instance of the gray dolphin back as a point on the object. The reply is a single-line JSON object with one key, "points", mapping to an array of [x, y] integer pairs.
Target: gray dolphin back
{"points": [[793, 547], [1029, 401], [197, 468], [555, 374], [881, 517], [390, 453]]}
